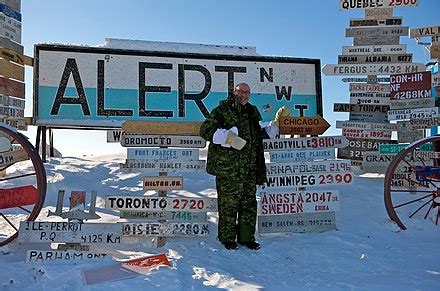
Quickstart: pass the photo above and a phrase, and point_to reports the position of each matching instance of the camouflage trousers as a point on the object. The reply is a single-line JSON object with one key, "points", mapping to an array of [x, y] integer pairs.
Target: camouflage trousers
{"points": [[237, 208]]}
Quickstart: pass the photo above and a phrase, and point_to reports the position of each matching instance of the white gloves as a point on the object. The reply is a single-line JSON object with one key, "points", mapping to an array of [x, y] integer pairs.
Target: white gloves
{"points": [[272, 130], [228, 138]]}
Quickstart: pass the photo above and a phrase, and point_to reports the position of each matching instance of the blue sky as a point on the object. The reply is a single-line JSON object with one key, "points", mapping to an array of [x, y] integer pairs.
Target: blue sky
{"points": [[312, 29]]}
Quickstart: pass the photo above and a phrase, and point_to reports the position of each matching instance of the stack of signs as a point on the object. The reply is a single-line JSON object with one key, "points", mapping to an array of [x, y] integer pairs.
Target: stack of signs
{"points": [[298, 195], [148, 152], [12, 63], [376, 53]]}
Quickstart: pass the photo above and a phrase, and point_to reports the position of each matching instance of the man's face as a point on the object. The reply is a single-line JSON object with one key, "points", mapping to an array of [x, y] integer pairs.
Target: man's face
{"points": [[243, 92]]}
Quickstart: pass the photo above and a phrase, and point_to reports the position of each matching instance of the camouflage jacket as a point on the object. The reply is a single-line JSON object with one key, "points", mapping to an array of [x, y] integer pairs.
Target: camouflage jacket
{"points": [[224, 161]]}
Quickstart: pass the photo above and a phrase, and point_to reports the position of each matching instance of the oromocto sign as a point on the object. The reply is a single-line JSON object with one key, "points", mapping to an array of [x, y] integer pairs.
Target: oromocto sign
{"points": [[100, 87]]}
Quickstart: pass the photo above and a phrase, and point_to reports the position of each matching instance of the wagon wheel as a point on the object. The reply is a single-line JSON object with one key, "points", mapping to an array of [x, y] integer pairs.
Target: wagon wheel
{"points": [[22, 191], [409, 194]]}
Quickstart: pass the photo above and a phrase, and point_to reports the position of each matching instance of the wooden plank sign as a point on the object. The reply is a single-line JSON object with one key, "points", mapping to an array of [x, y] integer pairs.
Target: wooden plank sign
{"points": [[18, 196], [319, 142], [370, 100], [161, 127], [378, 13], [284, 201], [376, 31], [11, 71], [137, 140], [38, 256], [297, 223], [69, 232], [376, 40], [7, 43], [370, 95], [9, 158], [10, 28], [303, 125], [367, 5], [11, 88], [277, 169], [165, 215], [163, 183], [374, 49], [302, 155], [366, 133], [367, 79], [427, 154], [365, 125], [347, 107], [410, 86], [12, 101], [309, 180], [373, 88], [372, 69], [13, 4], [377, 117], [392, 58], [164, 166], [14, 57], [412, 103], [165, 229], [148, 203], [162, 154], [409, 136], [376, 22], [422, 123], [424, 31], [417, 113]]}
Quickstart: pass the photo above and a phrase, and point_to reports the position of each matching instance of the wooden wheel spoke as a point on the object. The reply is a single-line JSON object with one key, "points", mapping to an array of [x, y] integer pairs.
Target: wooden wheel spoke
{"points": [[418, 209], [429, 210], [438, 215], [412, 201], [20, 176], [8, 221], [415, 191]]}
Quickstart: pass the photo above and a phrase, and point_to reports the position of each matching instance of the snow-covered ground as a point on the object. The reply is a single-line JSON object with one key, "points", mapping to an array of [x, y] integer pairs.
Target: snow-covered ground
{"points": [[366, 252]]}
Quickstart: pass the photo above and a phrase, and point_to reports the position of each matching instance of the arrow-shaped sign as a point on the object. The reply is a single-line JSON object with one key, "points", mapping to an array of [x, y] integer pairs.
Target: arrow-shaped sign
{"points": [[303, 125]]}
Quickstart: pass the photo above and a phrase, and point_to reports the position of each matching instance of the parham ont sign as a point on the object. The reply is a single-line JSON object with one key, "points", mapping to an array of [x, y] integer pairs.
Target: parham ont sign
{"points": [[89, 87]]}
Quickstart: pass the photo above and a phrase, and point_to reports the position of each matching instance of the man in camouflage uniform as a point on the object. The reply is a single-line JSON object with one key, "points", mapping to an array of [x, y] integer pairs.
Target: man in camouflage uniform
{"points": [[237, 171]]}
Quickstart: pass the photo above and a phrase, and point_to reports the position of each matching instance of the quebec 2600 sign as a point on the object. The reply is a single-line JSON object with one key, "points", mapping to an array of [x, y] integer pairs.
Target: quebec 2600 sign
{"points": [[99, 87]]}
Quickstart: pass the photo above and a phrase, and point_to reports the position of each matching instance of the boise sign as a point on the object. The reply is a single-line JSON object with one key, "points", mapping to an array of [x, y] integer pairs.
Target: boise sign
{"points": [[100, 87]]}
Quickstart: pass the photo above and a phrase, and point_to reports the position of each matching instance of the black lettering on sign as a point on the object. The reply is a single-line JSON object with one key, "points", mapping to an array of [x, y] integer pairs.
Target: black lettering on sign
{"points": [[101, 95], [264, 74], [144, 89], [198, 97], [301, 108], [231, 71], [283, 92], [70, 68]]}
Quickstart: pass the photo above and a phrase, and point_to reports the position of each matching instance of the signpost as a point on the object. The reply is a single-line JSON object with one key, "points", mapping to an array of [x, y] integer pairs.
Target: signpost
{"points": [[161, 127], [410, 86], [372, 69], [374, 49], [347, 107], [319, 142], [278, 169], [309, 180], [422, 123], [165, 229], [368, 117], [302, 155], [424, 31], [368, 80], [163, 183], [11, 70], [376, 40], [376, 31], [374, 88], [162, 154], [303, 125], [414, 103], [365, 133], [370, 100], [416, 113], [376, 22], [139, 140], [11, 157], [365, 125], [297, 223], [391, 58], [11, 88], [165, 215], [374, 5], [164, 165]]}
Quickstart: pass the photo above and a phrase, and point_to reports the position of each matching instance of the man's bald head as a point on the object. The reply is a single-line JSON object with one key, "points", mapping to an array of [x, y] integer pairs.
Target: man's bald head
{"points": [[242, 91]]}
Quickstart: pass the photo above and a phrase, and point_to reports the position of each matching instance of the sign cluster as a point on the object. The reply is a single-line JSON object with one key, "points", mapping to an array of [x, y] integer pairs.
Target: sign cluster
{"points": [[394, 88], [298, 196], [12, 61]]}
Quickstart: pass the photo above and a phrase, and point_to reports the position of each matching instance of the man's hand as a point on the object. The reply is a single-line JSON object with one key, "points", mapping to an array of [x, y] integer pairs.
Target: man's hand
{"points": [[228, 138]]}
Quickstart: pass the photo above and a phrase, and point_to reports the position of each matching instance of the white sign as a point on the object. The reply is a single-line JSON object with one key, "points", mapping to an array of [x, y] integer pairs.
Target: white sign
{"points": [[378, 13], [369, 79], [376, 31], [164, 166], [145, 203], [10, 28], [69, 232], [165, 229], [163, 183], [365, 125], [370, 100], [165, 215], [366, 133], [360, 59], [284, 201], [372, 69], [398, 114], [162, 154], [320, 142], [302, 155], [140, 140], [373, 88], [114, 135], [310, 179], [376, 22], [374, 49], [376, 40], [12, 101], [278, 169], [297, 223], [424, 31], [371, 4], [36, 256], [370, 95], [414, 103]]}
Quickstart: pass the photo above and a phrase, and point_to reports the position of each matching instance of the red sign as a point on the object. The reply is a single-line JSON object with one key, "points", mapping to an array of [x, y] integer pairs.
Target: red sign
{"points": [[11, 88], [144, 265], [410, 86], [19, 196]]}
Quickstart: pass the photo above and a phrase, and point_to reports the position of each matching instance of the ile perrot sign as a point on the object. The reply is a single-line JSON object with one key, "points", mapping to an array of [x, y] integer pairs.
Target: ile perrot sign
{"points": [[102, 87]]}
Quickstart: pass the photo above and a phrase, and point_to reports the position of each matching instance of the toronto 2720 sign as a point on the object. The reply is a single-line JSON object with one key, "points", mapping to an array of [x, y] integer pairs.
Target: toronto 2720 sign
{"points": [[101, 87]]}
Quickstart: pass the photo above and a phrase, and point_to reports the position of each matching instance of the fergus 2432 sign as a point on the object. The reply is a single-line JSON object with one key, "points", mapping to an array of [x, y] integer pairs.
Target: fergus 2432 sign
{"points": [[100, 87]]}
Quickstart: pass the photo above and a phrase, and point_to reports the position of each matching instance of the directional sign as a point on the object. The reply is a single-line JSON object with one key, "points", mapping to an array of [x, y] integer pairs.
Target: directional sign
{"points": [[378, 13], [297, 223], [162, 154], [10, 28], [386, 149], [427, 154], [374, 162], [365, 125], [18, 196], [347, 107], [309, 180], [376, 22], [372, 80], [359, 59], [414, 103], [424, 31], [12, 101], [376, 40], [376, 31], [374, 88], [365, 133], [410, 86], [320, 142], [417, 113], [374, 49], [165, 215], [302, 155], [303, 125], [138, 140], [283, 201], [368, 117], [372, 69], [69, 232], [11, 88], [370, 95], [7, 43], [9, 158], [11, 70], [14, 57], [348, 4], [165, 229], [277, 169], [370, 100], [164, 166], [39, 256], [163, 183], [422, 123], [161, 127], [357, 147]]}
